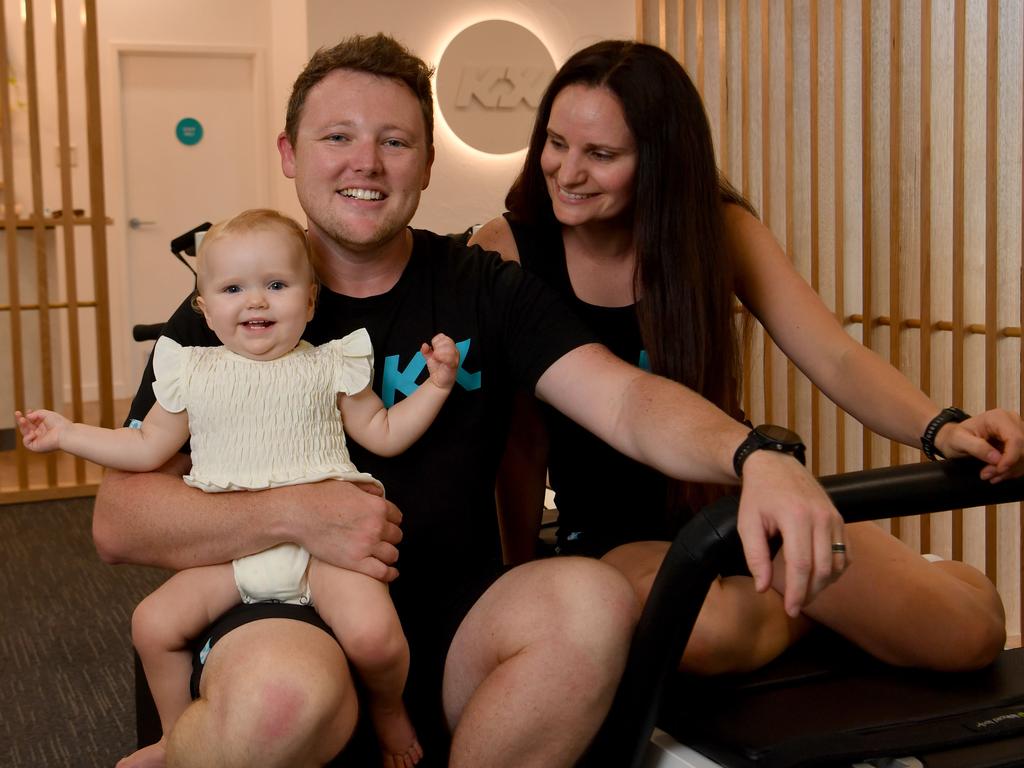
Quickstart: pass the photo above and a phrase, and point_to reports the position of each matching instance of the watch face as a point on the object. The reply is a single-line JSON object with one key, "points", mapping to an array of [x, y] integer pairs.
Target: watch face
{"points": [[780, 435]]}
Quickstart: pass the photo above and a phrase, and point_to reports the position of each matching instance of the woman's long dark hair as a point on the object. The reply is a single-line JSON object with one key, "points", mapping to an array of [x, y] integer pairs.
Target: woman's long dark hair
{"points": [[684, 275]]}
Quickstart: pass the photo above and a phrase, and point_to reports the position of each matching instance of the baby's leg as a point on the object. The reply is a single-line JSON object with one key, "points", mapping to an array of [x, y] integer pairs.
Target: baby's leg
{"points": [[359, 611], [162, 626]]}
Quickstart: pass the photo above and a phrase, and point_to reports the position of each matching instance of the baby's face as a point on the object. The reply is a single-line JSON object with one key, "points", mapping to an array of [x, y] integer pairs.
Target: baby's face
{"points": [[256, 292]]}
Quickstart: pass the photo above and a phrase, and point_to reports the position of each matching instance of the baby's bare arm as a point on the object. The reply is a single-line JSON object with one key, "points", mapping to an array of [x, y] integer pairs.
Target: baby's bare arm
{"points": [[389, 431], [133, 450]]}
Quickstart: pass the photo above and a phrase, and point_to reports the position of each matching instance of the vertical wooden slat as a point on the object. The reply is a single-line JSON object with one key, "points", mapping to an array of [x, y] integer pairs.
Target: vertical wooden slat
{"points": [[991, 257], [97, 205], [641, 32], [840, 221], [766, 185], [867, 283], [745, 162], [723, 93], [895, 218], [67, 228], [13, 255], [812, 74], [38, 228], [959, 75], [1020, 385], [681, 31], [790, 224], [925, 256], [745, 98], [662, 11], [699, 24]]}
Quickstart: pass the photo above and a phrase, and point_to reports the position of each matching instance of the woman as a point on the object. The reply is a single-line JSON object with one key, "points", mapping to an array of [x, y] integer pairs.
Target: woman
{"points": [[620, 207]]}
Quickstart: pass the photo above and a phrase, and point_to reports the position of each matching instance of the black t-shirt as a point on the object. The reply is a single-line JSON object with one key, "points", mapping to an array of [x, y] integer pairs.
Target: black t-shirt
{"points": [[509, 328], [603, 497]]}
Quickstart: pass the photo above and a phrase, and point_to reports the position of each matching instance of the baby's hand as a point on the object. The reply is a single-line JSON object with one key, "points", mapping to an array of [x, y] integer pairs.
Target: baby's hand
{"points": [[41, 430], [442, 360]]}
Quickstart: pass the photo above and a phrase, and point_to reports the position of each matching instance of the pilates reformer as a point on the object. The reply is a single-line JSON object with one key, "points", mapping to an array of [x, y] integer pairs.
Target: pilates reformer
{"points": [[824, 703]]}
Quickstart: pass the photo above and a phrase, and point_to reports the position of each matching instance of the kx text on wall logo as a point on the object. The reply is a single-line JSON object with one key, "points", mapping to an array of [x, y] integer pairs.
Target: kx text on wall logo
{"points": [[489, 82]]}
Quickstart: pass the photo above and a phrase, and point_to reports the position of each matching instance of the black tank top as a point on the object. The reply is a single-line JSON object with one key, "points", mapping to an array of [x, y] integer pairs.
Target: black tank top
{"points": [[603, 497]]}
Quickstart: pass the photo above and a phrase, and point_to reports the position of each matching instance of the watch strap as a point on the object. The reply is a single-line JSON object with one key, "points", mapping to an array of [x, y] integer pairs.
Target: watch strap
{"points": [[946, 416], [755, 441]]}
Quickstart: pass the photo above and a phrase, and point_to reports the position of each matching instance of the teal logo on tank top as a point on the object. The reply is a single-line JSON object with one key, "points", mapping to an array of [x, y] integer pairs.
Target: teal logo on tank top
{"points": [[404, 381]]}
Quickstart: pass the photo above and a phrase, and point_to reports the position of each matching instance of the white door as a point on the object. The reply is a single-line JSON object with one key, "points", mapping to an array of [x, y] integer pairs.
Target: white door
{"points": [[172, 185]]}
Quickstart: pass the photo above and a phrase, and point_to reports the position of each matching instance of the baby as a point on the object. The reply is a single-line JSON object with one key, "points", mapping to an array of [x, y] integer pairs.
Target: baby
{"points": [[265, 409]]}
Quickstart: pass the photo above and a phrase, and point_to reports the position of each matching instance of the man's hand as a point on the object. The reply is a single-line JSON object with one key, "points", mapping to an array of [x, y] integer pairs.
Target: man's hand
{"points": [[780, 496], [349, 525], [995, 437]]}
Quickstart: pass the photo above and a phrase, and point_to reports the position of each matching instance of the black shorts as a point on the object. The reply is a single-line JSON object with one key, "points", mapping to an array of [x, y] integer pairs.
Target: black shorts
{"points": [[241, 614]]}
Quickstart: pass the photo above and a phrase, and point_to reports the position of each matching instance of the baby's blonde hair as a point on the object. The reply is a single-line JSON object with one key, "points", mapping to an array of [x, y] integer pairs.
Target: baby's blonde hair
{"points": [[253, 220]]}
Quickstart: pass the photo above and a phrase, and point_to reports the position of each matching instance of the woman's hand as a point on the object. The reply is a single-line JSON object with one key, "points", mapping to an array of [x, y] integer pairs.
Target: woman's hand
{"points": [[995, 437]]}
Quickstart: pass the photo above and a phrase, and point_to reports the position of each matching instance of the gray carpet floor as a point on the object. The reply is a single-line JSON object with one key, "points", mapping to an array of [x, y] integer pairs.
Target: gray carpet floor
{"points": [[66, 680]]}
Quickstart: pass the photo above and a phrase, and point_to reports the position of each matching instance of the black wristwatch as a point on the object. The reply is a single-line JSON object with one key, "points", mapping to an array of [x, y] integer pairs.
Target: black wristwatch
{"points": [[946, 415], [770, 437]]}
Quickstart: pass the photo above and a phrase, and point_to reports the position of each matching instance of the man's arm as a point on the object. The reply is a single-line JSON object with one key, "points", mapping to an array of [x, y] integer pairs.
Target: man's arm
{"points": [[674, 430], [155, 519]]}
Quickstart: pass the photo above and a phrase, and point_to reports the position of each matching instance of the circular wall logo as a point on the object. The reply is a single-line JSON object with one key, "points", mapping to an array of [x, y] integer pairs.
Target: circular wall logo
{"points": [[489, 83], [189, 131]]}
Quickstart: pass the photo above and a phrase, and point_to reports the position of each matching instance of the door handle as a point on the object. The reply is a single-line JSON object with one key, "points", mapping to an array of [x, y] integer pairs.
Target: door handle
{"points": [[136, 223]]}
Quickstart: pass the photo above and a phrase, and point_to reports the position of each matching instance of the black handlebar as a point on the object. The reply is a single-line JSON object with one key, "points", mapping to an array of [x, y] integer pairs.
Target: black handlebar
{"points": [[710, 539]]}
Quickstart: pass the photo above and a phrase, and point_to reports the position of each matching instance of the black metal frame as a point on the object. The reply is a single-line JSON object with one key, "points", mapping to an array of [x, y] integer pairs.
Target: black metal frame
{"points": [[710, 540]]}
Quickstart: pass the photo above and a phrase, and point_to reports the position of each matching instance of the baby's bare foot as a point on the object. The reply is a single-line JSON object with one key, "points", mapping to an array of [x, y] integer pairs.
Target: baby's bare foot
{"points": [[153, 756], [398, 744]]}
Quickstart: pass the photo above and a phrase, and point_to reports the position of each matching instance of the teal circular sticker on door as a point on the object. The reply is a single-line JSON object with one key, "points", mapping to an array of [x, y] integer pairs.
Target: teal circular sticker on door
{"points": [[189, 131]]}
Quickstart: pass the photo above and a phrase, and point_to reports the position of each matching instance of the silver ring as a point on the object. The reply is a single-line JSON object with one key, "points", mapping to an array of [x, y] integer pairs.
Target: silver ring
{"points": [[838, 548]]}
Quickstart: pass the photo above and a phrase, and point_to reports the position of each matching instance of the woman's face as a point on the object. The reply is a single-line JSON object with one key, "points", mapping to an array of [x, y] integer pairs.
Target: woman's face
{"points": [[589, 158]]}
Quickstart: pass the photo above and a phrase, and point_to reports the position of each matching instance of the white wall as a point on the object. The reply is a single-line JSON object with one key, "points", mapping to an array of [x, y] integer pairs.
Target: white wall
{"points": [[275, 28]]}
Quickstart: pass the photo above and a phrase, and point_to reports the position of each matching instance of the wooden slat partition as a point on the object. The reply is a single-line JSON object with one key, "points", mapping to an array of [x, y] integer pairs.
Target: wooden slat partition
{"points": [[924, 307], [67, 228], [915, 241], [47, 332], [959, 233], [38, 231], [11, 245]]}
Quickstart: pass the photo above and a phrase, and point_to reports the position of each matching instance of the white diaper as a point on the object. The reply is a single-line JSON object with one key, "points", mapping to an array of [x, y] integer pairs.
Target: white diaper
{"points": [[276, 575]]}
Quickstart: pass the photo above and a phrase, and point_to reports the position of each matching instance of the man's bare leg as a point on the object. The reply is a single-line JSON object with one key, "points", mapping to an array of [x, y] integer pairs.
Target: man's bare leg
{"points": [[534, 666], [274, 692]]}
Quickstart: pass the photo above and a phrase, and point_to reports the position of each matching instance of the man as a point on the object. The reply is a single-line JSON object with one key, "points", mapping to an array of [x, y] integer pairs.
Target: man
{"points": [[521, 668]]}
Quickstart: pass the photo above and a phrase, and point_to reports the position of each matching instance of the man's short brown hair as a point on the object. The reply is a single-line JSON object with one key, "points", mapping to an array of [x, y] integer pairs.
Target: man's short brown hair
{"points": [[379, 55]]}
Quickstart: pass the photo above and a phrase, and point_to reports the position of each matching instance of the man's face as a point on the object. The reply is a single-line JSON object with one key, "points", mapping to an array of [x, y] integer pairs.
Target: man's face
{"points": [[360, 159]]}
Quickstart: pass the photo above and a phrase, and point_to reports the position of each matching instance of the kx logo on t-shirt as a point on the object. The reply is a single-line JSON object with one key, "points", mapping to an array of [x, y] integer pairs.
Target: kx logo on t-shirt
{"points": [[404, 380]]}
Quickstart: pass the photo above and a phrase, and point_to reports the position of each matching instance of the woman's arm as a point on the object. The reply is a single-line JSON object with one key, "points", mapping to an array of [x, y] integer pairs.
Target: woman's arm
{"points": [[850, 374], [134, 450], [521, 481], [496, 235]]}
